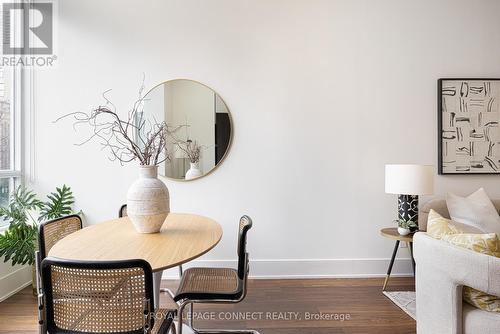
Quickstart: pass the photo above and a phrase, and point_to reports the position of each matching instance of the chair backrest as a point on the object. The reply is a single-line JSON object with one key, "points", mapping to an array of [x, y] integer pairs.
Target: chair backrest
{"points": [[245, 225], [97, 297], [52, 231], [123, 211]]}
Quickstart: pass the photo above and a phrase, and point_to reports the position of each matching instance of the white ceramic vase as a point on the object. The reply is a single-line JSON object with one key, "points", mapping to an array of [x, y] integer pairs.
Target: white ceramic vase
{"points": [[148, 201], [403, 231], [193, 171]]}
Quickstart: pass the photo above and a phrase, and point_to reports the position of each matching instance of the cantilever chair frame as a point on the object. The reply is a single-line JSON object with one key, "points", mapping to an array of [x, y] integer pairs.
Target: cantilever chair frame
{"points": [[189, 302], [45, 301], [183, 303]]}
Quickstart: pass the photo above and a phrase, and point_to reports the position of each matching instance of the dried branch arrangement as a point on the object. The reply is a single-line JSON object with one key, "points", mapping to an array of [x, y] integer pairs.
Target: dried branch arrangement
{"points": [[191, 149], [126, 139]]}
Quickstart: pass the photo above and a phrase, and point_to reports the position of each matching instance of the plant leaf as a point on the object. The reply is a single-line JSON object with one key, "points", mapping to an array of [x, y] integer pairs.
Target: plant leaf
{"points": [[21, 201], [59, 204], [18, 244]]}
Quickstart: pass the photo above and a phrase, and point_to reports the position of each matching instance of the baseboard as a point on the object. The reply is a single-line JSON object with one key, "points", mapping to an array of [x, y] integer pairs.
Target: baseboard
{"points": [[308, 268], [14, 282]]}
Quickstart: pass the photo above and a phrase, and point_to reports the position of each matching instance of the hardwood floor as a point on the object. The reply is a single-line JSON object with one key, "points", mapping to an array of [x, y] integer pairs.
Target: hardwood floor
{"points": [[274, 307]]}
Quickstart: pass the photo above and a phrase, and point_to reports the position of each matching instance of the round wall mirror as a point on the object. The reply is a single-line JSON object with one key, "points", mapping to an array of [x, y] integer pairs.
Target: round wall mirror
{"points": [[199, 123]]}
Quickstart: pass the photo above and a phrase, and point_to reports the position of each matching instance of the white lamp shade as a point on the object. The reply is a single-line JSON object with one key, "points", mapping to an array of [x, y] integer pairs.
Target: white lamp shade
{"points": [[409, 179]]}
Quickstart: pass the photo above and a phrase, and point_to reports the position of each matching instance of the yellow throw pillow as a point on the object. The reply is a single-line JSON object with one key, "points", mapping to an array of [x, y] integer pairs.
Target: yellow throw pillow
{"points": [[481, 243], [438, 226], [481, 300]]}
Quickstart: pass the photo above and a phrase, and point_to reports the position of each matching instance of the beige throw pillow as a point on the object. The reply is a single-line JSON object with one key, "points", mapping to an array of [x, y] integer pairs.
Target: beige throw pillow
{"points": [[476, 210]]}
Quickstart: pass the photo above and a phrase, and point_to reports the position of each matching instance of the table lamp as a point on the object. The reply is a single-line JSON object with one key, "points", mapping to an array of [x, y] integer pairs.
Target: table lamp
{"points": [[408, 182]]}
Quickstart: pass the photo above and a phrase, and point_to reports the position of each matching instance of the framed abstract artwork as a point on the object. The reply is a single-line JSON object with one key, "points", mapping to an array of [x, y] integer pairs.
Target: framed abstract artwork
{"points": [[468, 126]]}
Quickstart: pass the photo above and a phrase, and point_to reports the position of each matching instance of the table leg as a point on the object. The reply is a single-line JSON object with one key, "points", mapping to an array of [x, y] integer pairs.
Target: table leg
{"points": [[394, 252], [410, 247], [191, 315], [185, 329], [156, 285]]}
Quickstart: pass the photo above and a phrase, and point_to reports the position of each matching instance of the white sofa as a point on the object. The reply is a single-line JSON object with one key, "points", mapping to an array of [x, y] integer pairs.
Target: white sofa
{"points": [[441, 272]]}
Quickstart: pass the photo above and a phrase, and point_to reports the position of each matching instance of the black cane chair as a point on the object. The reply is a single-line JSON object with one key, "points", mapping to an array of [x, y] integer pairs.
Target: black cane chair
{"points": [[216, 285], [100, 297], [49, 233], [123, 213], [52, 231]]}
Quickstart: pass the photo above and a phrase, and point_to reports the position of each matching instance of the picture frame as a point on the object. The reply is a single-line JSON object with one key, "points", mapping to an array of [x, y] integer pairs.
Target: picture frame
{"points": [[468, 126]]}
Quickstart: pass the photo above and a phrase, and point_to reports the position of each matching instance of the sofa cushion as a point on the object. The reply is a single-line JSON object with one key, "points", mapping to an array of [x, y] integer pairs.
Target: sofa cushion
{"points": [[476, 210], [439, 205], [477, 321]]}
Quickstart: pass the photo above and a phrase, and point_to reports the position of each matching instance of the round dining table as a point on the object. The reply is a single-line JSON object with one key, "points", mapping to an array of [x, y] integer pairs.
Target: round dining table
{"points": [[183, 237]]}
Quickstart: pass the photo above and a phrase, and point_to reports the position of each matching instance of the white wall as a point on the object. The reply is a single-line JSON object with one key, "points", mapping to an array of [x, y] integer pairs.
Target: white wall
{"points": [[13, 279], [322, 94]]}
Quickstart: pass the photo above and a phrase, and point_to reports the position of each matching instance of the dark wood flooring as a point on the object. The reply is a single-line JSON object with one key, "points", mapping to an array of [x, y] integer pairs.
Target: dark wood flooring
{"points": [[280, 301]]}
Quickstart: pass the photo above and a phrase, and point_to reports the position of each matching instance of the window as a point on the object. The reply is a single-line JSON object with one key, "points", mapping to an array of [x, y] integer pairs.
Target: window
{"points": [[10, 123], [10, 171]]}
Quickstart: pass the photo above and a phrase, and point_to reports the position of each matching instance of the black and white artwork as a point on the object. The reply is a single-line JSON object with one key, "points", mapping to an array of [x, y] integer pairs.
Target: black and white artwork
{"points": [[469, 132]]}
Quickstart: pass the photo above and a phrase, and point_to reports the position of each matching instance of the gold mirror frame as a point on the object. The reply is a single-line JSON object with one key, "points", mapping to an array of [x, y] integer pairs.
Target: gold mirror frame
{"points": [[231, 130]]}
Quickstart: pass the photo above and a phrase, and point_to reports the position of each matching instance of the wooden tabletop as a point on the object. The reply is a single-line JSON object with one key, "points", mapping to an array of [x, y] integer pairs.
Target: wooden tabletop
{"points": [[182, 238], [392, 233]]}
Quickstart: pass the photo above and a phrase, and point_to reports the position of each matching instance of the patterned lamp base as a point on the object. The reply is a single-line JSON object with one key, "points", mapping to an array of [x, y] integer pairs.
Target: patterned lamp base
{"points": [[408, 208]]}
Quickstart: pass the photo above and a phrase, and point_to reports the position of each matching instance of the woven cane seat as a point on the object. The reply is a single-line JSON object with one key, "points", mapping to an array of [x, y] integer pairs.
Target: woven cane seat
{"points": [[210, 283]]}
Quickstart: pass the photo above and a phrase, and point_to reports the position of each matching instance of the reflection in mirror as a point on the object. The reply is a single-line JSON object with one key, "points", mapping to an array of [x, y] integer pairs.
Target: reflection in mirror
{"points": [[203, 124]]}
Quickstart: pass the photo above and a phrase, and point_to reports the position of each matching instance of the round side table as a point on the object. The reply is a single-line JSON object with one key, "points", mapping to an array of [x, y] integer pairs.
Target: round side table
{"points": [[392, 233]]}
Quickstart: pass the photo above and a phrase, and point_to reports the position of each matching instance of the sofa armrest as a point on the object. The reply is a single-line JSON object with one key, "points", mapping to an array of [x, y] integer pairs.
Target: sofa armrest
{"points": [[463, 266], [442, 270]]}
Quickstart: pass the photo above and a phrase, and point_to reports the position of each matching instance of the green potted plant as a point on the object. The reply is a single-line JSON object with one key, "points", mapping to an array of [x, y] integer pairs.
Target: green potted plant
{"points": [[405, 226], [20, 241]]}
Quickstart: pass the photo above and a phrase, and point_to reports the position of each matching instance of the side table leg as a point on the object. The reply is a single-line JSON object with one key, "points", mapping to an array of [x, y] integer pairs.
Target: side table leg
{"points": [[394, 252], [410, 247]]}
